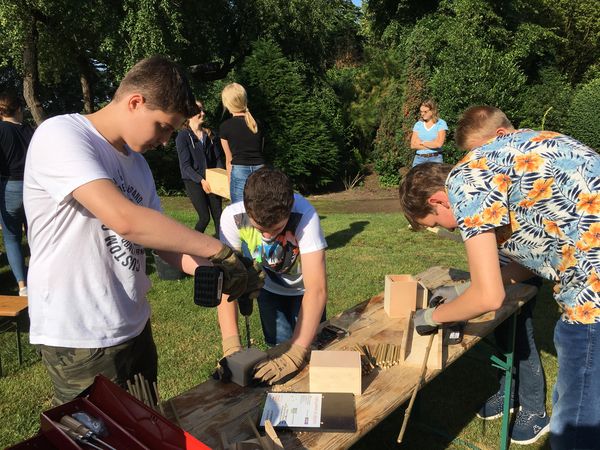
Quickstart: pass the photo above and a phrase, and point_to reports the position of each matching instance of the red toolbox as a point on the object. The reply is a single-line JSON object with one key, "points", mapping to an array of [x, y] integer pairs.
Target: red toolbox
{"points": [[130, 423]]}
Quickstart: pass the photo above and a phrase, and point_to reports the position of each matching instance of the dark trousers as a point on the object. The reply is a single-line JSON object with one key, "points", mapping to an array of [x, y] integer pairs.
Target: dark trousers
{"points": [[206, 205], [279, 314]]}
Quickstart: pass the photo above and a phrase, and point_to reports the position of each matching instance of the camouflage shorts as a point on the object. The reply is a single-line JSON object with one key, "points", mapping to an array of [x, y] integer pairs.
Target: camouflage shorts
{"points": [[73, 369]]}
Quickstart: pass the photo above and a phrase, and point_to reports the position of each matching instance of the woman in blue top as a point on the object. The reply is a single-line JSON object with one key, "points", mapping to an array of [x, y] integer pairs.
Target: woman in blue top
{"points": [[429, 134]]}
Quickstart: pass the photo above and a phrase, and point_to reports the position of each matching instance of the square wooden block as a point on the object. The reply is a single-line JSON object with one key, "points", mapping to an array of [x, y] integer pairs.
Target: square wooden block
{"points": [[335, 371], [219, 183], [414, 347], [403, 295]]}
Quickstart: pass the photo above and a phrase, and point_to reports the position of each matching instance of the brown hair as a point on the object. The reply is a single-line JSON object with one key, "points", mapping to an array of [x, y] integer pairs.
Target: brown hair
{"points": [[420, 183], [432, 105], [268, 196], [10, 103], [163, 84], [477, 121], [235, 100]]}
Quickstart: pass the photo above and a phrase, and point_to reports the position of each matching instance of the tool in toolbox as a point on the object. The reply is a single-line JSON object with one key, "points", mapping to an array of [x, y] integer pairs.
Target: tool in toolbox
{"points": [[77, 437], [81, 430], [97, 425]]}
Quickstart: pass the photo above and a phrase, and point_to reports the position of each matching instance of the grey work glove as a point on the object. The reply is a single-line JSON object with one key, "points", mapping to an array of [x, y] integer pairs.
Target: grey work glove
{"points": [[256, 276], [279, 368], [424, 323], [450, 292], [235, 274]]}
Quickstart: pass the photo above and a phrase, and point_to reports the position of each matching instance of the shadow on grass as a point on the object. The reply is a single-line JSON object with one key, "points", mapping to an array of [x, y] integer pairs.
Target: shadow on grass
{"points": [[443, 410], [342, 237]]}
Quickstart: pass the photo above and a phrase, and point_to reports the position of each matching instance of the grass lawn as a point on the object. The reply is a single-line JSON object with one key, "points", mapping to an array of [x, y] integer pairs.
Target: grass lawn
{"points": [[363, 247]]}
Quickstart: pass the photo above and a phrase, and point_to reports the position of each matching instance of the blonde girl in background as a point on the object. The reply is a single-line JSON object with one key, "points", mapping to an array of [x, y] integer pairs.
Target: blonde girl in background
{"points": [[241, 138]]}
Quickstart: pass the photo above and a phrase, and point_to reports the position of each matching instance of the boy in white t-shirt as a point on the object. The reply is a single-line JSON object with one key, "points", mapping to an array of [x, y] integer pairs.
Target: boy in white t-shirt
{"points": [[281, 232], [92, 207]]}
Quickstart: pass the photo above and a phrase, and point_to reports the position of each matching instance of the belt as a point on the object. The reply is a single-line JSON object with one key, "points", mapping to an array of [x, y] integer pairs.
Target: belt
{"points": [[428, 155]]}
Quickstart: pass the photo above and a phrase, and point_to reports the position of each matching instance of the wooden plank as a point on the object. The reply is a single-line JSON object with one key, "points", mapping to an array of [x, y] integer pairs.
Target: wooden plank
{"points": [[212, 406], [218, 181], [12, 305]]}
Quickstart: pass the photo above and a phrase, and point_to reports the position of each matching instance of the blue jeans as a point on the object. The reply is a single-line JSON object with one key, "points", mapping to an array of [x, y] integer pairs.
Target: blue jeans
{"points": [[278, 315], [12, 215], [575, 421], [433, 159], [529, 380], [239, 175]]}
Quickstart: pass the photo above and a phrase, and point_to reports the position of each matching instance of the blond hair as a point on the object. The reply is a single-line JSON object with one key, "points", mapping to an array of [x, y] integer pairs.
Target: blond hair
{"points": [[429, 103], [479, 121], [235, 100]]}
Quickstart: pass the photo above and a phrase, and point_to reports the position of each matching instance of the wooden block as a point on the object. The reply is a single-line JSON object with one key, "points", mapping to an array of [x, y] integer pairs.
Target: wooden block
{"points": [[403, 295], [414, 346], [335, 371], [242, 364], [219, 183]]}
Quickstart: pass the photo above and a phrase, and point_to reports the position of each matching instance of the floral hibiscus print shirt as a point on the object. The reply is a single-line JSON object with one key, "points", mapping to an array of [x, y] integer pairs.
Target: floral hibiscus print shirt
{"points": [[540, 192]]}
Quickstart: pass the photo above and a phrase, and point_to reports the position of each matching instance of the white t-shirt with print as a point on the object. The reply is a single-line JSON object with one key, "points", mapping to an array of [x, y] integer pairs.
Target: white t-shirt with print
{"points": [[87, 285], [280, 258]]}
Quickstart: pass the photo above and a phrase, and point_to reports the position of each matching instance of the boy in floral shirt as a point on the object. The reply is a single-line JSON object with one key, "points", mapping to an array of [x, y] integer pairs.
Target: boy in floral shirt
{"points": [[535, 196]]}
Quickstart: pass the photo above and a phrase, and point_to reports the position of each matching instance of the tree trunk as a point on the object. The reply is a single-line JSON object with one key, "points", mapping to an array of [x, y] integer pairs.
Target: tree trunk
{"points": [[85, 78], [31, 75]]}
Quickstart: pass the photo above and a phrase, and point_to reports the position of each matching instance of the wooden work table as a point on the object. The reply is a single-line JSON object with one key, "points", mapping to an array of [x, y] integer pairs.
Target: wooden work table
{"points": [[213, 407]]}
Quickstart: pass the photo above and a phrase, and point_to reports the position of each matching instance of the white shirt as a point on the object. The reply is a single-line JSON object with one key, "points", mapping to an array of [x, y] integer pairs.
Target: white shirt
{"points": [[87, 285]]}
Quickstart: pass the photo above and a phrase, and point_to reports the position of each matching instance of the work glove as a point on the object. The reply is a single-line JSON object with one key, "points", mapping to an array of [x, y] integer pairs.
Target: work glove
{"points": [[235, 274], [275, 369], [449, 293], [424, 323], [278, 350], [231, 345], [256, 276]]}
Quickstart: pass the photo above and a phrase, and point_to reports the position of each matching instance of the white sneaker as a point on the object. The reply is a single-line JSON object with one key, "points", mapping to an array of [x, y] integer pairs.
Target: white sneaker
{"points": [[23, 292]]}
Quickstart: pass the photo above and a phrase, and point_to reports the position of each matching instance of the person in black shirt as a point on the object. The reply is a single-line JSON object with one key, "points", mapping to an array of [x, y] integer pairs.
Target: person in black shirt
{"points": [[14, 140], [198, 149], [242, 140]]}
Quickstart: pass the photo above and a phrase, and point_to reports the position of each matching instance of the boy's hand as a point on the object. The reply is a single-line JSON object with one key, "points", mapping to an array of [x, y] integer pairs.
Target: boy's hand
{"points": [[275, 369], [235, 274], [256, 276], [424, 323], [449, 293], [231, 345]]}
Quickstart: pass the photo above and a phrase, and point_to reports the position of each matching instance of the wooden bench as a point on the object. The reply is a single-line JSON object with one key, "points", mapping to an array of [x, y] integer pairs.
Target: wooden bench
{"points": [[211, 407], [11, 309]]}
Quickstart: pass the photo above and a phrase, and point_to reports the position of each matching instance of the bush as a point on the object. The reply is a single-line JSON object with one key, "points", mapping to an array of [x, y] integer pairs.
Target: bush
{"points": [[301, 131], [164, 164], [582, 125], [546, 103]]}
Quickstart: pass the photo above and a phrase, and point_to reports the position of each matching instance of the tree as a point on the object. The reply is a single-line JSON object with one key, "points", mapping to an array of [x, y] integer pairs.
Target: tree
{"points": [[585, 104], [299, 138]]}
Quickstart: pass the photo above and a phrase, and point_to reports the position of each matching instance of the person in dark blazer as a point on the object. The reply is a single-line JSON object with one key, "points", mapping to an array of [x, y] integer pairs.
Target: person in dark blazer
{"points": [[199, 149]]}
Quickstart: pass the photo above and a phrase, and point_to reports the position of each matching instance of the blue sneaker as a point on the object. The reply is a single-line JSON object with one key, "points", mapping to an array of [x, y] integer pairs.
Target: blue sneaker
{"points": [[528, 427], [493, 407]]}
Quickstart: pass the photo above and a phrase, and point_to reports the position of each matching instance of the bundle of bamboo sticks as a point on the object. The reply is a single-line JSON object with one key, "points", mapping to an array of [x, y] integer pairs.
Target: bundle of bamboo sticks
{"points": [[383, 356], [140, 389]]}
